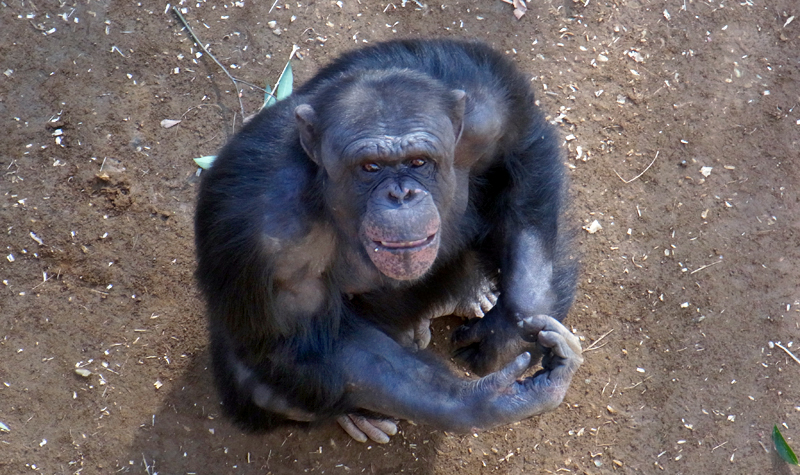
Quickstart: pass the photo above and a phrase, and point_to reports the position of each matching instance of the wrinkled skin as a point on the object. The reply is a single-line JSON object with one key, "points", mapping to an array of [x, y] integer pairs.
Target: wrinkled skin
{"points": [[401, 231], [405, 181]]}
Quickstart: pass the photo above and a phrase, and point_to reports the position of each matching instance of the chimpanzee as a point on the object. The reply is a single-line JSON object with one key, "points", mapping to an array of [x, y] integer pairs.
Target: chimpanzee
{"points": [[405, 181]]}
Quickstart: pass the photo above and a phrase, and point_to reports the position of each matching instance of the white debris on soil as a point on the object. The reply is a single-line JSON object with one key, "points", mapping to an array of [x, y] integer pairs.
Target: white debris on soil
{"points": [[635, 55], [167, 123], [36, 238], [594, 227]]}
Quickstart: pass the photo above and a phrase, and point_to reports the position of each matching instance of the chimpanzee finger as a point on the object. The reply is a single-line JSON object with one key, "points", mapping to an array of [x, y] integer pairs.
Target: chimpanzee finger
{"points": [[370, 428], [474, 310], [560, 345], [422, 334], [505, 377], [571, 339], [347, 424], [562, 361], [468, 333], [532, 325], [386, 426], [487, 301]]}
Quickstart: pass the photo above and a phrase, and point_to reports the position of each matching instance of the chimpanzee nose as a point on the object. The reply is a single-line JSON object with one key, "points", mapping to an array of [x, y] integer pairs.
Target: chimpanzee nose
{"points": [[401, 193]]}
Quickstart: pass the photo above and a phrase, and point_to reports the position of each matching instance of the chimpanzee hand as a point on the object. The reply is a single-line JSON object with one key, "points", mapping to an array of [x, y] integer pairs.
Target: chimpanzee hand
{"points": [[508, 399], [490, 343], [422, 392]]}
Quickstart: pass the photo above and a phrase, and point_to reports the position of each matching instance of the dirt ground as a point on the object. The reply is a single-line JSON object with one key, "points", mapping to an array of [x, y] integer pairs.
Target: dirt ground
{"points": [[682, 120]]}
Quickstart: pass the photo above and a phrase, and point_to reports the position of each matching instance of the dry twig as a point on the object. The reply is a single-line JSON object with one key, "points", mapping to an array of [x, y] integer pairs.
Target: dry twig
{"points": [[203, 47], [640, 174], [703, 267], [594, 343], [788, 352]]}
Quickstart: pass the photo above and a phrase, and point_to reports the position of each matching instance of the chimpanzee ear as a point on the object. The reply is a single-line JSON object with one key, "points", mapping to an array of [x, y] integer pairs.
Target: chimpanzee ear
{"points": [[306, 121], [458, 112]]}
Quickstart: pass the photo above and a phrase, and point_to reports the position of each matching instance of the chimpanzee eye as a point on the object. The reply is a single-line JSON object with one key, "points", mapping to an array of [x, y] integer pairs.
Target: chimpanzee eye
{"points": [[418, 162], [371, 167]]}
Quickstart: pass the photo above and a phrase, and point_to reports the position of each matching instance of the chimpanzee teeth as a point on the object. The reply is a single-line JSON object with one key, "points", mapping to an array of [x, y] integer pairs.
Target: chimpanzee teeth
{"points": [[403, 244]]}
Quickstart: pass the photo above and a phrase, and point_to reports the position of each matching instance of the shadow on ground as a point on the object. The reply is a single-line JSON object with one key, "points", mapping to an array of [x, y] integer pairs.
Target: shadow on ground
{"points": [[189, 434]]}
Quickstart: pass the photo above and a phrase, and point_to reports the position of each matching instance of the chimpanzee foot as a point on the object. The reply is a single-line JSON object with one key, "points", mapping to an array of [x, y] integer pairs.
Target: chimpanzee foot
{"points": [[419, 337], [358, 427], [477, 307], [361, 428]]}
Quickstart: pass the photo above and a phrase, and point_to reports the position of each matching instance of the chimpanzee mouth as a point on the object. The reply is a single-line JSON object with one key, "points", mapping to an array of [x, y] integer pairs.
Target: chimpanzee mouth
{"points": [[405, 245]]}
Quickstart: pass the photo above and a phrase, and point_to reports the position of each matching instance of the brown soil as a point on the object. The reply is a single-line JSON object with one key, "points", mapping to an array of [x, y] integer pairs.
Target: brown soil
{"points": [[691, 279]]}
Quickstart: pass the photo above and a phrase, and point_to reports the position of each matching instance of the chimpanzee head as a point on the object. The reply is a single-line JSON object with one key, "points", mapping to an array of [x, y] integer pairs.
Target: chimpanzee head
{"points": [[386, 141]]}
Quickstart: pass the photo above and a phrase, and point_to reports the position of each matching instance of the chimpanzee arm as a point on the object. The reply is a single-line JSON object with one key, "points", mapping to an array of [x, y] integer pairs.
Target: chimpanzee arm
{"points": [[536, 278], [368, 370], [385, 378]]}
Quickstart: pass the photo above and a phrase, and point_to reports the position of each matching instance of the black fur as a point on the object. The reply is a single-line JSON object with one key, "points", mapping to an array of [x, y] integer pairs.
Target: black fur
{"points": [[264, 195]]}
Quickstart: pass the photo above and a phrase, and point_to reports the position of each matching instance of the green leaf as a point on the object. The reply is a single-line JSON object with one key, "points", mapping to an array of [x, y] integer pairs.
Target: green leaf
{"points": [[269, 99], [783, 448], [284, 87], [205, 162]]}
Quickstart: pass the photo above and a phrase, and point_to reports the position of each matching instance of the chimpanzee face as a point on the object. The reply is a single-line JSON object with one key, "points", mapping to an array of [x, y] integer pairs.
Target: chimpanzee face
{"points": [[389, 165]]}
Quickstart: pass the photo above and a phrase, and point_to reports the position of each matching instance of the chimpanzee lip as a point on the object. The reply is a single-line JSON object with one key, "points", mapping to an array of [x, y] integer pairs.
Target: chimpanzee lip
{"points": [[405, 245]]}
